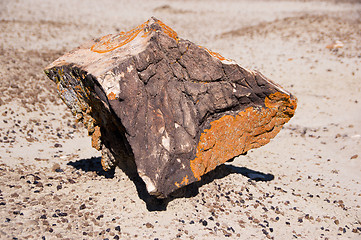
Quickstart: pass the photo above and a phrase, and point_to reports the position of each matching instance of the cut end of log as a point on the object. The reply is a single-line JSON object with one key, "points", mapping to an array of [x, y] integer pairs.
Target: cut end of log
{"points": [[164, 108], [232, 136]]}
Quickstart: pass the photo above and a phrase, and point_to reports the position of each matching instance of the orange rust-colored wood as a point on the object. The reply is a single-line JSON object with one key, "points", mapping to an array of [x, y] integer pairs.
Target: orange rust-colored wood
{"points": [[111, 96], [111, 42], [96, 143], [214, 54], [231, 136], [184, 182], [167, 30]]}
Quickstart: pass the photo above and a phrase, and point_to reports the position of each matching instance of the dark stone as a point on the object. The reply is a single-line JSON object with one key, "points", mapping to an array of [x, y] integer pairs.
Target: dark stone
{"points": [[165, 109]]}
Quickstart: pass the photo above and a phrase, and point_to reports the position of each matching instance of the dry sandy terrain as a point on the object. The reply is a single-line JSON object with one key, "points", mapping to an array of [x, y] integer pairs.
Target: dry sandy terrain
{"points": [[52, 185]]}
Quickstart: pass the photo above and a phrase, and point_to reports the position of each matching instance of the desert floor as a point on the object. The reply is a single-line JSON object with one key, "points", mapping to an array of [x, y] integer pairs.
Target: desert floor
{"points": [[52, 185]]}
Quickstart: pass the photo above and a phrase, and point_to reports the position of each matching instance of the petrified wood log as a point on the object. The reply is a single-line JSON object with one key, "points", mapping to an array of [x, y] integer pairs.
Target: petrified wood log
{"points": [[175, 109]]}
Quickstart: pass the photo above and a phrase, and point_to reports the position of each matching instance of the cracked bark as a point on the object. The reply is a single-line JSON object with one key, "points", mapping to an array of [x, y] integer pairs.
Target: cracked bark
{"points": [[164, 108]]}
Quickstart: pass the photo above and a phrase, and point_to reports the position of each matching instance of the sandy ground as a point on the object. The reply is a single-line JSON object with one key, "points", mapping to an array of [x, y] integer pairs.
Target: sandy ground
{"points": [[52, 185]]}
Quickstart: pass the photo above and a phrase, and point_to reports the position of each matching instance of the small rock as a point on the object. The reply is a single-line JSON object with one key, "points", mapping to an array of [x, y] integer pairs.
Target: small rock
{"points": [[149, 225], [39, 184], [58, 145], [14, 195], [71, 181], [55, 167]]}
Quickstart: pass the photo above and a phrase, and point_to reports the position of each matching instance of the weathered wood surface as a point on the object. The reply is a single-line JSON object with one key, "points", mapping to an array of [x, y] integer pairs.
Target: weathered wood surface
{"points": [[165, 108]]}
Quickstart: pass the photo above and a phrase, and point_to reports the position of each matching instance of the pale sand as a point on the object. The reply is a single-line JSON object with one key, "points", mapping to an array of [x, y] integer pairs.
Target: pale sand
{"points": [[47, 171]]}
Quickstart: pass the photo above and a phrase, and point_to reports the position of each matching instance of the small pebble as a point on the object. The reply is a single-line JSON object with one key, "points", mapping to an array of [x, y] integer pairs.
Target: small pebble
{"points": [[57, 145], [71, 181], [149, 225]]}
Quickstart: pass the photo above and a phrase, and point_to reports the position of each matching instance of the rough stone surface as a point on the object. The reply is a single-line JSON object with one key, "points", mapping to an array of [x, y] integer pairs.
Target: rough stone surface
{"points": [[164, 108]]}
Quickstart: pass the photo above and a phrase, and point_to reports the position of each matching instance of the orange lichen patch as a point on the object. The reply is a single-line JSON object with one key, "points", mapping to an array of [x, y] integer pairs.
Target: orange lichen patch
{"points": [[111, 96], [283, 102], [104, 164], [214, 54], [183, 183], [110, 42], [231, 136], [167, 30], [96, 143]]}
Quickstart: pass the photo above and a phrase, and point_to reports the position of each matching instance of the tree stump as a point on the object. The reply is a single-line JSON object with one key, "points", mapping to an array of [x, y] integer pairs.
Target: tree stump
{"points": [[167, 109]]}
